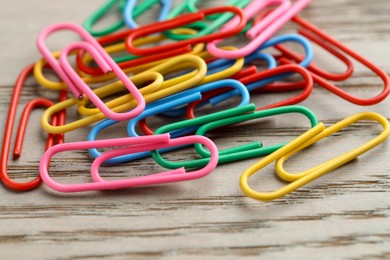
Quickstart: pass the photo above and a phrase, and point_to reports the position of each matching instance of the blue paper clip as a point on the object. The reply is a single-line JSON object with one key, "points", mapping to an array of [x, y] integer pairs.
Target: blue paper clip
{"points": [[179, 111], [217, 66], [309, 54], [130, 5]]}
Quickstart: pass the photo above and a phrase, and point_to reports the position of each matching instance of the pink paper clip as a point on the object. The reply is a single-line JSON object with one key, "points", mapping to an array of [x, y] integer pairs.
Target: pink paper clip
{"points": [[261, 31], [134, 145], [75, 84]]}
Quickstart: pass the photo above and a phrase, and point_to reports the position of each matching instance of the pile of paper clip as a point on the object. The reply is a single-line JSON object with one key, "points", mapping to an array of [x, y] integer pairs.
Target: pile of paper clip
{"points": [[185, 68]]}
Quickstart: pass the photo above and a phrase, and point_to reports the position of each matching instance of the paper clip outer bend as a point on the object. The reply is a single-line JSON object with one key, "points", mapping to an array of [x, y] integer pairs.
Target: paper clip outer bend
{"points": [[225, 155], [310, 137], [260, 32], [142, 144], [320, 37], [153, 108], [171, 86], [181, 21], [168, 88], [88, 91], [22, 128], [91, 20], [205, 28], [217, 85], [242, 154], [128, 13], [113, 44]]}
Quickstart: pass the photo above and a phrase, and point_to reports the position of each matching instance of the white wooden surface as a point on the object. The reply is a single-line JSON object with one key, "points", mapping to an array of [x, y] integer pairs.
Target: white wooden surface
{"points": [[344, 214]]}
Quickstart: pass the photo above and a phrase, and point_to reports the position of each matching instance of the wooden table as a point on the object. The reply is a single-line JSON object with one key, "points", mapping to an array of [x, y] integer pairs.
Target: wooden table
{"points": [[344, 214]]}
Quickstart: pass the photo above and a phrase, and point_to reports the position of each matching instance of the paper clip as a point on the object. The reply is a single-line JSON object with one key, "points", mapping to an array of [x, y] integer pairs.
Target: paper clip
{"points": [[128, 15], [151, 109], [202, 28], [332, 45], [74, 82], [177, 111], [214, 96], [21, 130], [168, 88], [99, 14], [135, 145], [181, 21], [261, 31], [310, 137], [255, 83], [88, 91], [242, 152]]}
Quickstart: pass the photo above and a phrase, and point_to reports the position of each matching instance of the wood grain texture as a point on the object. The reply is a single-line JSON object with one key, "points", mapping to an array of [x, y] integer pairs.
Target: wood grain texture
{"points": [[345, 214]]}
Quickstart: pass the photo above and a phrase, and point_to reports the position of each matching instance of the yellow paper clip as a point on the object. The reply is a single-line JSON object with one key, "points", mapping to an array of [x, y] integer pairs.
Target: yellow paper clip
{"points": [[311, 136], [167, 88]]}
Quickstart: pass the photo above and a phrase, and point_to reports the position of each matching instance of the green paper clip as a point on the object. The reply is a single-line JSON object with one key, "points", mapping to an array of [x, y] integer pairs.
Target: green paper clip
{"points": [[242, 152]]}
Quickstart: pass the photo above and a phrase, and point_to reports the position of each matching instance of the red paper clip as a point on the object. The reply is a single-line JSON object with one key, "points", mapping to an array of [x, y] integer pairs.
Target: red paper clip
{"points": [[179, 22], [320, 77], [21, 130]]}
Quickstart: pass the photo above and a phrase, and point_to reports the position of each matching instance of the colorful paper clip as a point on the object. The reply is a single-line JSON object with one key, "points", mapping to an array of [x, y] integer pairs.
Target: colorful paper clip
{"points": [[214, 96], [254, 83], [51, 140], [72, 79], [261, 31], [181, 21], [128, 13], [134, 145], [327, 42], [242, 152], [310, 137]]}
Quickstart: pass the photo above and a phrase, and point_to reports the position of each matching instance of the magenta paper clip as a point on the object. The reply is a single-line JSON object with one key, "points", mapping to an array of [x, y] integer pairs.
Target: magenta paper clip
{"points": [[261, 31], [74, 82], [134, 145], [105, 65]]}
